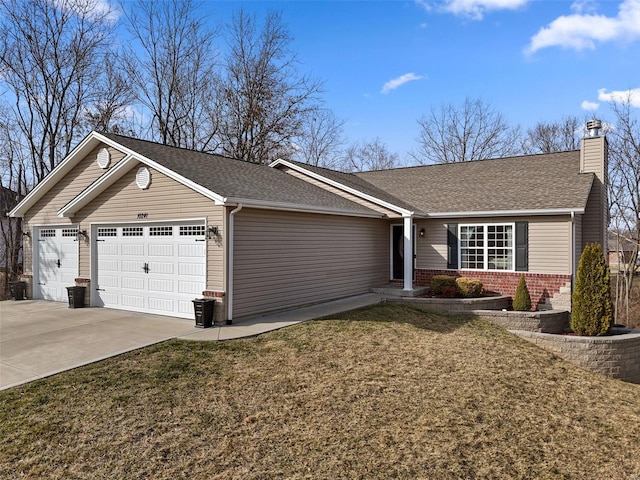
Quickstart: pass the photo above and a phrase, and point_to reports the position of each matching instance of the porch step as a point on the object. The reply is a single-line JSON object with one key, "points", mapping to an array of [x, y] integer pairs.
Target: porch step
{"points": [[397, 291]]}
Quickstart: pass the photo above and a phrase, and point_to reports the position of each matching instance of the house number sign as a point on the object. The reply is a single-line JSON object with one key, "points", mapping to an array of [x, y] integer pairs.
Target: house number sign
{"points": [[142, 215]]}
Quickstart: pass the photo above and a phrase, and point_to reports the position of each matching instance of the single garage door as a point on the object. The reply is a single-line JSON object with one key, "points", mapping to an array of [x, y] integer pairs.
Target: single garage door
{"points": [[57, 262], [150, 268]]}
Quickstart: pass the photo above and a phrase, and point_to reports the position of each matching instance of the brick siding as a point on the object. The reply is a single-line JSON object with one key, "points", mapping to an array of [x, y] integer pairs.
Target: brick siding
{"points": [[542, 287]]}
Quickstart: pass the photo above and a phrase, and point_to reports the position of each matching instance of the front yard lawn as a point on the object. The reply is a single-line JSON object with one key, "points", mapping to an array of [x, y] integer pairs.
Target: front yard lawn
{"points": [[382, 392]]}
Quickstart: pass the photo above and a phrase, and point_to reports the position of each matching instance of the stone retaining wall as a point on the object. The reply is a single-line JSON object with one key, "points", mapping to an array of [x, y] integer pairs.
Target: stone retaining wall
{"points": [[617, 356], [547, 321], [454, 305]]}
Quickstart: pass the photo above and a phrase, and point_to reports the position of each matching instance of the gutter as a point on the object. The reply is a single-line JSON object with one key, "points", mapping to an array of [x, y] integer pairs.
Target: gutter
{"points": [[230, 264], [508, 213]]}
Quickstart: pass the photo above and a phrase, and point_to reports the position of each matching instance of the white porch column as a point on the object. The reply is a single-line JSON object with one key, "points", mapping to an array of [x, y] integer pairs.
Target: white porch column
{"points": [[408, 254]]}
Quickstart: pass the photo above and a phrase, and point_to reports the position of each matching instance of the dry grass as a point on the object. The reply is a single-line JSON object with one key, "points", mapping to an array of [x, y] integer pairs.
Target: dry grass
{"points": [[384, 392]]}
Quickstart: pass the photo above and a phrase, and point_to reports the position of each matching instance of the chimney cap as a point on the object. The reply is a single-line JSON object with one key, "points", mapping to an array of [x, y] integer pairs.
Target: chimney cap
{"points": [[594, 126]]}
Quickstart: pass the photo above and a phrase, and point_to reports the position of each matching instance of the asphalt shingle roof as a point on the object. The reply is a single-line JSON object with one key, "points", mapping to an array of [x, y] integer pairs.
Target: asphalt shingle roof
{"points": [[238, 179], [354, 181], [531, 182]]}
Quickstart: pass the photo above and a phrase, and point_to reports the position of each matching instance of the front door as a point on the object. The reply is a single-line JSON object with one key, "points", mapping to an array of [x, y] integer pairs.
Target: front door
{"points": [[397, 251]]}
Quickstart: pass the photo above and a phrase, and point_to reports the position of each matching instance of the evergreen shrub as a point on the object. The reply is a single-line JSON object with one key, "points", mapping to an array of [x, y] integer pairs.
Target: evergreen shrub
{"points": [[439, 282], [469, 287], [591, 305], [522, 299]]}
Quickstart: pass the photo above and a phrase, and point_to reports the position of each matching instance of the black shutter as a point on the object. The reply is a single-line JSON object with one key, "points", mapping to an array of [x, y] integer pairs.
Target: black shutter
{"points": [[522, 246], [452, 246]]}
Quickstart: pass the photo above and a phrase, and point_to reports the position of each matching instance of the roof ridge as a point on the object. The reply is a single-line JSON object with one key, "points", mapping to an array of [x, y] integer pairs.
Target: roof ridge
{"points": [[513, 157], [162, 145]]}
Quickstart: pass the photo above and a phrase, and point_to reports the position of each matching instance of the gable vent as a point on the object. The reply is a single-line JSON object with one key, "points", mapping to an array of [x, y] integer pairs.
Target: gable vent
{"points": [[143, 178], [104, 158]]}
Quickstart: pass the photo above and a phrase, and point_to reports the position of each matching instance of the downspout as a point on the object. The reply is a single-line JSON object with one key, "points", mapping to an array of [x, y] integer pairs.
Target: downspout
{"points": [[230, 264], [572, 256]]}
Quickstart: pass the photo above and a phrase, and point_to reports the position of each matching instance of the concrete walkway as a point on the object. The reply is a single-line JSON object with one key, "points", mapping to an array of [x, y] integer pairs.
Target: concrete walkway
{"points": [[40, 338]]}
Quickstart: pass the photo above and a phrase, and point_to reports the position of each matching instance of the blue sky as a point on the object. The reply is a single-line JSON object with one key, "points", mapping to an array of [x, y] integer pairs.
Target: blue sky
{"points": [[532, 60]]}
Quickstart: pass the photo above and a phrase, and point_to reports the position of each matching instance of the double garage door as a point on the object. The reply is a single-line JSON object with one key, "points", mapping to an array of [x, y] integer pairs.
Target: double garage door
{"points": [[150, 268]]}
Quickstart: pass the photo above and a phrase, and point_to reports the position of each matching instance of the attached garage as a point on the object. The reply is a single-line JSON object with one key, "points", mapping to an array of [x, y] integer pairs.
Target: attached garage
{"points": [[56, 261], [152, 268], [150, 228]]}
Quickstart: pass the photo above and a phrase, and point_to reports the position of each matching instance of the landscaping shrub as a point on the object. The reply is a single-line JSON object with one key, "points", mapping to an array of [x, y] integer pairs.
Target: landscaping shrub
{"points": [[522, 299], [591, 306], [439, 282], [469, 287]]}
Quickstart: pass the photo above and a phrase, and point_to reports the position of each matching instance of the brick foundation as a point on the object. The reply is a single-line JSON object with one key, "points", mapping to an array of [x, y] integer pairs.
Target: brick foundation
{"points": [[542, 287], [219, 307], [85, 282]]}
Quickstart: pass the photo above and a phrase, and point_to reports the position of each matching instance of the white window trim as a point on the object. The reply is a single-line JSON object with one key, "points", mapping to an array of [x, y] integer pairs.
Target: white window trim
{"points": [[485, 249]]}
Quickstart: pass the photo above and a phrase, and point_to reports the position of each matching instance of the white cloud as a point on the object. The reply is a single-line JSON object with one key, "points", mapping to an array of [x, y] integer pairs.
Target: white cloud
{"points": [[590, 106], [94, 9], [584, 6], [399, 81], [474, 9], [620, 96], [581, 31]]}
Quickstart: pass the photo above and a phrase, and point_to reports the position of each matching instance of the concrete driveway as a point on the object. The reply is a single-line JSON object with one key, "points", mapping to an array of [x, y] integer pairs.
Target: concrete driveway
{"points": [[40, 338]]}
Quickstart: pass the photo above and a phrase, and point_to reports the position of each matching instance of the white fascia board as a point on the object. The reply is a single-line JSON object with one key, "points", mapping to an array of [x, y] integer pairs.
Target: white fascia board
{"points": [[97, 187], [352, 191], [78, 153], [508, 213], [294, 207]]}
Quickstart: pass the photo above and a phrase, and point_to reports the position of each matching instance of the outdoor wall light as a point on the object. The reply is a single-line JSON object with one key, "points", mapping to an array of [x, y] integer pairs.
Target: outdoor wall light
{"points": [[82, 234], [212, 231], [421, 232], [26, 234]]}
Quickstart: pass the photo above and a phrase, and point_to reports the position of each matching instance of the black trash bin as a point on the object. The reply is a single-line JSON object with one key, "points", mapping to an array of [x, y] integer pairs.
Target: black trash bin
{"points": [[18, 290], [76, 296], [203, 308]]}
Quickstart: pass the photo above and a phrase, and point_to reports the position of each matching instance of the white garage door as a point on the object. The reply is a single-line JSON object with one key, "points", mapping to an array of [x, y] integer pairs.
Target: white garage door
{"points": [[150, 268], [57, 262]]}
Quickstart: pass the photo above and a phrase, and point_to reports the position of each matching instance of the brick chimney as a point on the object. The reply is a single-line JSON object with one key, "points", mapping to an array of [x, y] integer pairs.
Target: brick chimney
{"points": [[594, 158]]}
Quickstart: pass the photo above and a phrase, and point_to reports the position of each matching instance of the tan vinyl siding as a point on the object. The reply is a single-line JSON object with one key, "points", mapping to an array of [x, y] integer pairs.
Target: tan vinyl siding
{"points": [[431, 250], [593, 158], [549, 245], [549, 242], [342, 193], [284, 259], [164, 200], [45, 211]]}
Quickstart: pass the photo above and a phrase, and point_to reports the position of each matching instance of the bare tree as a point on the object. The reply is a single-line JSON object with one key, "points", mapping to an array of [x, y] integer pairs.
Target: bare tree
{"points": [[50, 55], [109, 112], [174, 71], [556, 136], [320, 139], [13, 187], [264, 98], [624, 196], [471, 131], [371, 155]]}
